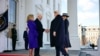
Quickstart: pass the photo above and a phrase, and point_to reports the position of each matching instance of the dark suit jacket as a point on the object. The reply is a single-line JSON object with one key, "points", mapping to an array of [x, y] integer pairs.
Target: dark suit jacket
{"points": [[25, 35], [14, 34], [57, 25], [40, 30]]}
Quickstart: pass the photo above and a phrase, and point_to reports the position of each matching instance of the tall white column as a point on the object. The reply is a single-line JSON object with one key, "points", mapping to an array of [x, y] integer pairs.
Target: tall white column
{"points": [[99, 31], [73, 28], [20, 21], [29, 7]]}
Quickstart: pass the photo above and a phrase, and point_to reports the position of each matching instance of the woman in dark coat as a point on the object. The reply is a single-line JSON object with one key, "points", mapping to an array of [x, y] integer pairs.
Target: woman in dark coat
{"points": [[66, 23], [32, 34]]}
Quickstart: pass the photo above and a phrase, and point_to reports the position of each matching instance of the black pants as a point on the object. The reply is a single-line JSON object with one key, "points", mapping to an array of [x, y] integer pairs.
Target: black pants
{"points": [[37, 51], [26, 44], [58, 50], [13, 44]]}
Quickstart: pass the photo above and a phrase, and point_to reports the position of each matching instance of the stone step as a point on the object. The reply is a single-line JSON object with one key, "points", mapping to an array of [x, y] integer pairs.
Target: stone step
{"points": [[82, 54], [88, 54]]}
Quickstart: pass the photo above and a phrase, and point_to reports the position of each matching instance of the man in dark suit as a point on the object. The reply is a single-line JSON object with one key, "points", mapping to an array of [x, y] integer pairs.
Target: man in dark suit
{"points": [[14, 37], [40, 30], [57, 34], [25, 36]]}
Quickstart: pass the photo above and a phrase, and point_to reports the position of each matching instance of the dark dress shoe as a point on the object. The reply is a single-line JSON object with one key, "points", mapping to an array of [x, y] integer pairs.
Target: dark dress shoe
{"points": [[36, 55], [67, 54]]}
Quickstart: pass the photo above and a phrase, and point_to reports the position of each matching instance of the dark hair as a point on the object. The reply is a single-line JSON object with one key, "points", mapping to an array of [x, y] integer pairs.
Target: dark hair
{"points": [[55, 11], [65, 14]]}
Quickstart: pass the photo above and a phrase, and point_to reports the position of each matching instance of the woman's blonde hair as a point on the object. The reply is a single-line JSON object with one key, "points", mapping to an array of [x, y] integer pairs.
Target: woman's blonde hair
{"points": [[29, 16]]}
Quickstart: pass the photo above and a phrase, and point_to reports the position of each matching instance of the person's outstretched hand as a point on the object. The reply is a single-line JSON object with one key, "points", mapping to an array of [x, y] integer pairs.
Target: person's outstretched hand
{"points": [[54, 34], [47, 30]]}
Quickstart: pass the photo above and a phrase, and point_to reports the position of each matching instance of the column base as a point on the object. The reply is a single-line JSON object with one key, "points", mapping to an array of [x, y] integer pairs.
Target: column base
{"points": [[75, 43]]}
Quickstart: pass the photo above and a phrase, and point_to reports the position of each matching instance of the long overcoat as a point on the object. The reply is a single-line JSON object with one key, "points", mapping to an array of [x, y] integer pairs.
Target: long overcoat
{"points": [[40, 30], [57, 25]]}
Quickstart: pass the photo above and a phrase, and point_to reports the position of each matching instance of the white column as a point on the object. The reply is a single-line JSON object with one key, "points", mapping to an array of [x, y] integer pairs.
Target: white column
{"points": [[99, 31], [99, 16], [20, 21], [73, 28], [29, 7], [56, 4]]}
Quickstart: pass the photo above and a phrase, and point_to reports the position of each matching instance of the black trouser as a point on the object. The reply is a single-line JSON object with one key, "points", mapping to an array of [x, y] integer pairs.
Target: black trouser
{"points": [[37, 51], [13, 44], [62, 50], [26, 44]]}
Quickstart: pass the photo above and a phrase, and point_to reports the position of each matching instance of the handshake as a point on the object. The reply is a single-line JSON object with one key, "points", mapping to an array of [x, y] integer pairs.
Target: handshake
{"points": [[47, 30]]}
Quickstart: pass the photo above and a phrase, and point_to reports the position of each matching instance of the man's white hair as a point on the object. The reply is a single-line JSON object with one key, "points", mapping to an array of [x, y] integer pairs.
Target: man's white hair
{"points": [[56, 11]]}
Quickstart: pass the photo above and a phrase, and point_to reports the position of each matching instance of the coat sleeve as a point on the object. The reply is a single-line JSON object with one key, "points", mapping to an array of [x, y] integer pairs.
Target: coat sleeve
{"points": [[24, 35], [39, 28], [65, 24], [57, 24], [42, 29]]}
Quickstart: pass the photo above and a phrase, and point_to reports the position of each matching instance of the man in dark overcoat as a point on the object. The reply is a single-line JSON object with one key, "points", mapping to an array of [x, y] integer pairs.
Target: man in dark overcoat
{"points": [[40, 30], [57, 34]]}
